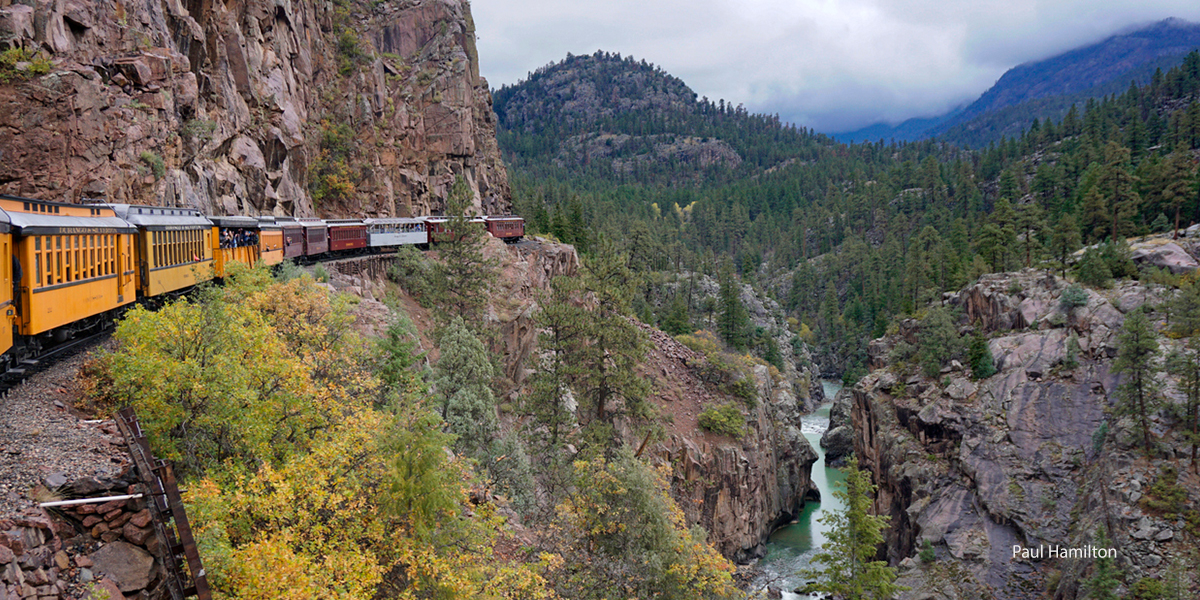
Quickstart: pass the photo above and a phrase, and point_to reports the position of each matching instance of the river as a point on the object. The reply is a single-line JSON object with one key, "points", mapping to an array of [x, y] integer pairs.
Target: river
{"points": [[791, 548]]}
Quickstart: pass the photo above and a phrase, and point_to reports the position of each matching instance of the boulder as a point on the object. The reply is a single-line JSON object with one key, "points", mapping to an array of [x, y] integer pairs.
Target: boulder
{"points": [[1168, 255], [838, 444], [129, 566]]}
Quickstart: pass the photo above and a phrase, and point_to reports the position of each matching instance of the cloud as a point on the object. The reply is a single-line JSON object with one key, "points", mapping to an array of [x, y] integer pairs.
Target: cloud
{"points": [[828, 64]]}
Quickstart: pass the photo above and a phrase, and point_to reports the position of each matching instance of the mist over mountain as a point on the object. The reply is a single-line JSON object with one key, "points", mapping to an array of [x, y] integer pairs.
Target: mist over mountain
{"points": [[1047, 88]]}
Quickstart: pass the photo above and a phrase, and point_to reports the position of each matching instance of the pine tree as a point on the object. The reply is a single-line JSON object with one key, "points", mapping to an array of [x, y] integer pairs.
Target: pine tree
{"points": [[1064, 239], [563, 323], [1118, 186], [462, 379], [733, 320], [1180, 175], [1105, 577], [1093, 271], [1137, 360], [1185, 364], [850, 570], [464, 275], [979, 355], [612, 345]]}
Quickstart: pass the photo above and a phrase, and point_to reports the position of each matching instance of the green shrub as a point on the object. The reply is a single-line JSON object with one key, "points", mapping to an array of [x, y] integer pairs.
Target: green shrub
{"points": [[927, 554], [1165, 494], [320, 274], [1148, 589], [1073, 297], [1093, 271], [980, 357], [155, 162], [726, 419], [37, 66]]}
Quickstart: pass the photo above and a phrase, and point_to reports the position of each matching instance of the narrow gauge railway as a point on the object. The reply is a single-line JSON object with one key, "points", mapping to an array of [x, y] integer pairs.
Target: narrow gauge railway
{"points": [[75, 268]]}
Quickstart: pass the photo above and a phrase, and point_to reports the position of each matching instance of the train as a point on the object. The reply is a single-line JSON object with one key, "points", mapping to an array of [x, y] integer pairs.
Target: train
{"points": [[76, 267]]}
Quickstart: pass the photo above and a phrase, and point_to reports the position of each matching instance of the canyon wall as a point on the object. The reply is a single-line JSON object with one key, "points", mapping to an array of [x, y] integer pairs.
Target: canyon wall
{"points": [[342, 108]]}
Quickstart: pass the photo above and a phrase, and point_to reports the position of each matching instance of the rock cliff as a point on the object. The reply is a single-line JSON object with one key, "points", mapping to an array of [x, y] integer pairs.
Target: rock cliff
{"points": [[977, 467], [286, 107], [737, 489]]}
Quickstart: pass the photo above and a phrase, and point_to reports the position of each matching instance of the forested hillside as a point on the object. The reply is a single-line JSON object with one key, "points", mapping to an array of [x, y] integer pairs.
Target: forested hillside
{"points": [[847, 236]]}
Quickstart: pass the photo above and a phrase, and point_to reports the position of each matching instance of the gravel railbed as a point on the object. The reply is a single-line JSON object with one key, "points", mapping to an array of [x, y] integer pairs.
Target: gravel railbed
{"points": [[41, 435]]}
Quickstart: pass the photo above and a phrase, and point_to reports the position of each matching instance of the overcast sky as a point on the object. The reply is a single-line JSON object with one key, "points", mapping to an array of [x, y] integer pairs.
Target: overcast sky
{"points": [[833, 65]]}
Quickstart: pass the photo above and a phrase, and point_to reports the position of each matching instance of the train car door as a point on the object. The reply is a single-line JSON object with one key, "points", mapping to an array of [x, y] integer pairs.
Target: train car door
{"points": [[125, 268]]}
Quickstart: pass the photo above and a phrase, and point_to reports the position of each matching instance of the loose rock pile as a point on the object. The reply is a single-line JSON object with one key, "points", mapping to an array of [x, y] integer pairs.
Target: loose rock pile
{"points": [[82, 551]]}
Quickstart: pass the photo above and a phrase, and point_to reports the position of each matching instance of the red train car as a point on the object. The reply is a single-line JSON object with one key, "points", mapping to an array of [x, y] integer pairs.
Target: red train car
{"points": [[509, 228], [439, 228], [347, 235]]}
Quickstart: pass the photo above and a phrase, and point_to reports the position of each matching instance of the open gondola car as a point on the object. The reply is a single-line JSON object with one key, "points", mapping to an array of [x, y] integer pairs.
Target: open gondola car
{"points": [[173, 250], [235, 240], [74, 265]]}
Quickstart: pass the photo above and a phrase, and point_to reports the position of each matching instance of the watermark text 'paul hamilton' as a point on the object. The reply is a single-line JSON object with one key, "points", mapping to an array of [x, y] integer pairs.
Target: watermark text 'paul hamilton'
{"points": [[1042, 551]]}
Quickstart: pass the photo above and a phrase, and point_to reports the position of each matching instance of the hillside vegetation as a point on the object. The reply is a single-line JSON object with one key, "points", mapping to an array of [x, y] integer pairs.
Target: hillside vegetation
{"points": [[850, 236]]}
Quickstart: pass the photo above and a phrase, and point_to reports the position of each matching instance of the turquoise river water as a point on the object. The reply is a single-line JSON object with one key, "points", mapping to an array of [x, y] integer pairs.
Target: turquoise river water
{"points": [[791, 548]]}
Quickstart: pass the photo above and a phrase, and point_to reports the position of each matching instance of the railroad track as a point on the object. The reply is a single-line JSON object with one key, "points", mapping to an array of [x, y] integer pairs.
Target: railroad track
{"points": [[30, 366]]}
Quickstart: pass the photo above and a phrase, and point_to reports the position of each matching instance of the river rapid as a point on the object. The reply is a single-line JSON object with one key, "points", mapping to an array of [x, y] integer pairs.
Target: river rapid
{"points": [[790, 549]]}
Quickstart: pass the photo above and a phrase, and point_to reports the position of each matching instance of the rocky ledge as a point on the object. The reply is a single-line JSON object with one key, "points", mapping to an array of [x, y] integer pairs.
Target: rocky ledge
{"points": [[974, 468]]}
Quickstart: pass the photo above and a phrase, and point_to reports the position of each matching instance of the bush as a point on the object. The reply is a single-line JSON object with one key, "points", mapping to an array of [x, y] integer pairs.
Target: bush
{"points": [[320, 274], [980, 357], [413, 272], [1073, 297], [927, 554], [726, 419], [37, 65], [938, 341], [1093, 271], [155, 162]]}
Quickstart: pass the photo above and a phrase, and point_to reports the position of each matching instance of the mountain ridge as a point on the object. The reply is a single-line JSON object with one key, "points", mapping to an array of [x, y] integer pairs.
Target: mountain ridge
{"points": [[1047, 88]]}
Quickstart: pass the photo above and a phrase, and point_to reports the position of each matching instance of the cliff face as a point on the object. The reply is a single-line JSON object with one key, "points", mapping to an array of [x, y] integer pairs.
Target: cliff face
{"points": [[976, 467], [736, 489], [286, 107]]}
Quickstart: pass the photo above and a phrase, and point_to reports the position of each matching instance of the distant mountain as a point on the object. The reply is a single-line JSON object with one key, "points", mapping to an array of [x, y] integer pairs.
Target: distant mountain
{"points": [[616, 117], [1047, 88]]}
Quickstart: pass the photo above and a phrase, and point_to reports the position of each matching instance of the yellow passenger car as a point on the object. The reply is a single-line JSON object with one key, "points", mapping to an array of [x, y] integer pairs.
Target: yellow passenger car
{"points": [[235, 240], [75, 264], [174, 249]]}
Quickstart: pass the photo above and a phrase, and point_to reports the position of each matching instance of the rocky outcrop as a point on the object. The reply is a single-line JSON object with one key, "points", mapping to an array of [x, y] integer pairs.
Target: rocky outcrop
{"points": [[976, 467], [294, 107], [739, 490], [1163, 254], [838, 439]]}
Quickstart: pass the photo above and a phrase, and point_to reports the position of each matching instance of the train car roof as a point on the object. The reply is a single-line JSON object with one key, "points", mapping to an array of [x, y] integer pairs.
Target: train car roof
{"points": [[504, 218], [235, 222], [59, 218], [42, 224], [344, 222], [269, 223], [395, 220], [161, 218], [311, 222]]}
